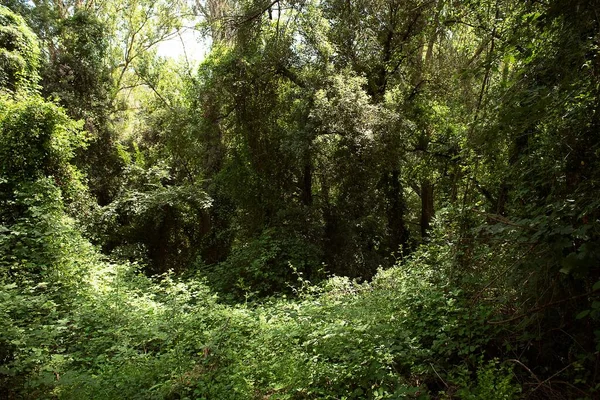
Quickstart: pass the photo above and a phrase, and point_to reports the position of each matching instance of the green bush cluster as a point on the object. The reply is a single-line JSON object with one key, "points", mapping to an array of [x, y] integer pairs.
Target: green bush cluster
{"points": [[38, 139], [121, 335], [267, 264], [19, 52]]}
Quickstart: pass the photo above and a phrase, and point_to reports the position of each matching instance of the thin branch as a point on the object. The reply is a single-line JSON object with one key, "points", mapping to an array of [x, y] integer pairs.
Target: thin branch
{"points": [[488, 70], [526, 367], [503, 220], [572, 387], [553, 375], [502, 273], [258, 13], [291, 75], [540, 308], [438, 375]]}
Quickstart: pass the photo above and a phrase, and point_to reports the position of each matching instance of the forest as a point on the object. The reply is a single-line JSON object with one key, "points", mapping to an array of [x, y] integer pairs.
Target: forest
{"points": [[340, 199]]}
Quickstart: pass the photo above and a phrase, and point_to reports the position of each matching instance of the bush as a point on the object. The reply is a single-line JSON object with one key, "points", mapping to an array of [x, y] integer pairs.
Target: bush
{"points": [[264, 266], [19, 52]]}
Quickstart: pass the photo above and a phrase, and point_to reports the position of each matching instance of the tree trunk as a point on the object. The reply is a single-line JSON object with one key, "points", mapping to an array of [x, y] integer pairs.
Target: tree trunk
{"points": [[398, 238], [307, 185], [427, 209], [218, 14]]}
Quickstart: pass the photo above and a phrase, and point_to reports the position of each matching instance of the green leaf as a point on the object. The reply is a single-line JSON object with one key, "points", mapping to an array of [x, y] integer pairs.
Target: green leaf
{"points": [[565, 270], [582, 314], [596, 286]]}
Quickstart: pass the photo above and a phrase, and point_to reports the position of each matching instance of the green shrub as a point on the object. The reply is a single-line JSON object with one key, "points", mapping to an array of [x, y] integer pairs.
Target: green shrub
{"points": [[266, 265], [19, 52], [37, 139], [490, 381]]}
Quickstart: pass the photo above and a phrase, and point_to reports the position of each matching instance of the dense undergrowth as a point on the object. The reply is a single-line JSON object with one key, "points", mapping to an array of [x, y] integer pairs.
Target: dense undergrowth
{"points": [[88, 329]]}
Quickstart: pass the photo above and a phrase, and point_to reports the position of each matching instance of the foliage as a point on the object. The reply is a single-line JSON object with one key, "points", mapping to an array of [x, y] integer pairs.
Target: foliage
{"points": [[43, 262], [38, 140], [493, 381], [19, 53], [437, 160], [267, 264], [154, 220], [164, 339]]}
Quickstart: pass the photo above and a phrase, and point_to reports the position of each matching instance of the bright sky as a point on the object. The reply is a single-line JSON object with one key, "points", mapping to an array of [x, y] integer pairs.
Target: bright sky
{"points": [[189, 43]]}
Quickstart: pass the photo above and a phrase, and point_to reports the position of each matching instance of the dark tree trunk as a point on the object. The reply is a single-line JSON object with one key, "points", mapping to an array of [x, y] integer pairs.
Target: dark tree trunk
{"points": [[519, 148], [307, 185], [159, 243], [398, 234], [427, 209]]}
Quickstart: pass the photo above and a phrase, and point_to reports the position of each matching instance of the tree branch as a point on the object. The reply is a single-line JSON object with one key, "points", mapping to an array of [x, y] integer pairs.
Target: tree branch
{"points": [[540, 308]]}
